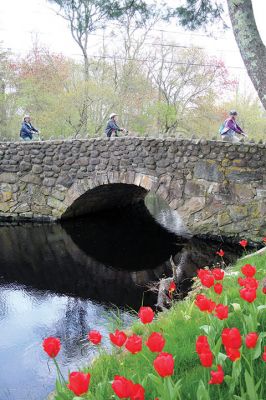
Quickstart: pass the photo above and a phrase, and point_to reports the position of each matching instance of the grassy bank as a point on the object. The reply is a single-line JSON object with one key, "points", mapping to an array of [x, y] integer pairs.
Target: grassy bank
{"points": [[180, 327]]}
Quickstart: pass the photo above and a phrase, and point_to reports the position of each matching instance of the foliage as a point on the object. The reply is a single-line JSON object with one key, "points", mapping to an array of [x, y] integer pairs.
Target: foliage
{"points": [[198, 13], [156, 91]]}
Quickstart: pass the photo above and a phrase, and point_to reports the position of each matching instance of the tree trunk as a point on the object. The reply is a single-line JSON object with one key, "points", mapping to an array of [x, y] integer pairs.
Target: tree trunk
{"points": [[251, 47]]}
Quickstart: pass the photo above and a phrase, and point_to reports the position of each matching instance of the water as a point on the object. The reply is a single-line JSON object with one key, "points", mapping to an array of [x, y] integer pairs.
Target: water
{"points": [[66, 279]]}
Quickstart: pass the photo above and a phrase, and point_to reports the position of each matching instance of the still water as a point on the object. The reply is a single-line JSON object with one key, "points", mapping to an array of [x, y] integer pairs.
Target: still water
{"points": [[66, 279]]}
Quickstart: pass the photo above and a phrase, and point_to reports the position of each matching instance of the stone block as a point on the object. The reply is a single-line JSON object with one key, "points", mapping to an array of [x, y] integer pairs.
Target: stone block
{"points": [[25, 166], [241, 176], [224, 218], [238, 212], [65, 180], [37, 169], [243, 192], [192, 206], [30, 178], [5, 196], [8, 177], [56, 204], [83, 161], [208, 170], [49, 182], [194, 189], [261, 193], [22, 208]]}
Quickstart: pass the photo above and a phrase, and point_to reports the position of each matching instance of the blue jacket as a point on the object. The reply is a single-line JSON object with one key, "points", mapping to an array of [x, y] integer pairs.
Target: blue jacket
{"points": [[27, 130], [112, 126]]}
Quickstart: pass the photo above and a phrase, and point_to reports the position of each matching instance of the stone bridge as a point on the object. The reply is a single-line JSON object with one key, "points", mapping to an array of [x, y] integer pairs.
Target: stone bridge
{"points": [[217, 188]]}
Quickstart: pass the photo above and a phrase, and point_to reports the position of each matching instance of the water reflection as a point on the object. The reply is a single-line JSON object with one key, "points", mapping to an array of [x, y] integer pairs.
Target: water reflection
{"points": [[165, 216]]}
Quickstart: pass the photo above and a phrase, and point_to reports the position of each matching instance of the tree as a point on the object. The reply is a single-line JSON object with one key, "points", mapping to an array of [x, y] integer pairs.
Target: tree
{"points": [[198, 13], [6, 94], [85, 17], [43, 85], [188, 82]]}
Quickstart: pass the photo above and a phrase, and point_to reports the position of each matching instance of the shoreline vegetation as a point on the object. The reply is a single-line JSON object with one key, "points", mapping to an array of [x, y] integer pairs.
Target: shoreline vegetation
{"points": [[210, 345]]}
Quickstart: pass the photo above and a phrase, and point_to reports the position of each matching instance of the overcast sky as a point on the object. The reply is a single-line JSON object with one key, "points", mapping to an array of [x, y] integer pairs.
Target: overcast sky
{"points": [[22, 20]]}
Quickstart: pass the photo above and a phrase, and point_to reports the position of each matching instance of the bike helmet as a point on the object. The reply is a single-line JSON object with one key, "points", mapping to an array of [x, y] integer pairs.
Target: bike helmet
{"points": [[113, 115]]}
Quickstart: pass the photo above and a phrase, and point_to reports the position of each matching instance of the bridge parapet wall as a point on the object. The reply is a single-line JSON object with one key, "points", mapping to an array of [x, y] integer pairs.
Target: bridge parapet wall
{"points": [[217, 187]]}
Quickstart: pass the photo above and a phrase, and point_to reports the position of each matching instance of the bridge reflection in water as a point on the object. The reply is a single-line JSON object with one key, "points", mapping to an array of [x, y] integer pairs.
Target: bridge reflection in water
{"points": [[58, 279]]}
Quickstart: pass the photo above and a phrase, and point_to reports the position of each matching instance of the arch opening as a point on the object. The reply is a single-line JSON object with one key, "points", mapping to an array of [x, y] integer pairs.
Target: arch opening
{"points": [[104, 197]]}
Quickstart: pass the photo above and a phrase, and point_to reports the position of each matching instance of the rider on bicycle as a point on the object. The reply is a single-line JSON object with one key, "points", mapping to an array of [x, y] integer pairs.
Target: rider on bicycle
{"points": [[112, 127]]}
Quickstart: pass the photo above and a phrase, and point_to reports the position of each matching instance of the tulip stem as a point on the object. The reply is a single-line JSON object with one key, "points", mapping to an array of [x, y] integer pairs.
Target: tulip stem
{"points": [[59, 373]]}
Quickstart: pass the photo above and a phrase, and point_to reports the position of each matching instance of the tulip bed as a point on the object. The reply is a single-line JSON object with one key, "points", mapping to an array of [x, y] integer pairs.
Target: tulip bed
{"points": [[212, 345]]}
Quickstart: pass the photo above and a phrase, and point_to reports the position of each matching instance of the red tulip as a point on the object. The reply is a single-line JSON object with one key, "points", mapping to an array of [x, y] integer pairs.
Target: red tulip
{"points": [[138, 392], [248, 282], [206, 277], [251, 340], [206, 359], [264, 290], [134, 344], [231, 338], [248, 295], [221, 311], [220, 253], [94, 337], [79, 383], [217, 377], [232, 354], [51, 346], [218, 274], [164, 364], [243, 243], [218, 288], [264, 354], [155, 342], [122, 387], [146, 315], [118, 338], [202, 345], [248, 270], [172, 287], [241, 281], [204, 304]]}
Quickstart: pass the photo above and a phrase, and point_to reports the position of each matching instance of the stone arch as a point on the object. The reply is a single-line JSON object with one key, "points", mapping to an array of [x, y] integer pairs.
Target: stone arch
{"points": [[102, 191]]}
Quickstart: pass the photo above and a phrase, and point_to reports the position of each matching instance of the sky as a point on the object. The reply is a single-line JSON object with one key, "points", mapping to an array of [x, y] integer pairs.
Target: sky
{"points": [[22, 22]]}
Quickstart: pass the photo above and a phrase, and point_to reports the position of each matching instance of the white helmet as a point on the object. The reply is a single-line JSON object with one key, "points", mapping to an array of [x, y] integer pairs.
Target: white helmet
{"points": [[113, 115], [26, 116]]}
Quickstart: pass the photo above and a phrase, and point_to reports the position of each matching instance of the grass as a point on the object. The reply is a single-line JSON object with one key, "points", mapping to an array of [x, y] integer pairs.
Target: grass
{"points": [[180, 327]]}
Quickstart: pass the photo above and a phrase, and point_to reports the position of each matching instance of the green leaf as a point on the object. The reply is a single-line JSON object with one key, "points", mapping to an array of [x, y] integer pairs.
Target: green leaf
{"points": [[257, 350], [216, 348], [251, 323], [262, 307], [206, 329], [221, 357], [257, 386], [154, 379], [251, 390], [228, 380], [202, 392]]}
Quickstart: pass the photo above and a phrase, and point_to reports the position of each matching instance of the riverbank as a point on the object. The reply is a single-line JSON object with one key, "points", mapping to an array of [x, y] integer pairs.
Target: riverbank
{"points": [[180, 327]]}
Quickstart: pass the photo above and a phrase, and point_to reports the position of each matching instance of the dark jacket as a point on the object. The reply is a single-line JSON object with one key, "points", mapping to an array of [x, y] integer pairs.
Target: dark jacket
{"points": [[112, 127], [27, 130]]}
